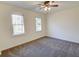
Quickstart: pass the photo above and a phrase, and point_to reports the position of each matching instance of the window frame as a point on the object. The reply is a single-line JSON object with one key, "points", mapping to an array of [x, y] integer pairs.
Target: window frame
{"points": [[17, 24], [35, 23]]}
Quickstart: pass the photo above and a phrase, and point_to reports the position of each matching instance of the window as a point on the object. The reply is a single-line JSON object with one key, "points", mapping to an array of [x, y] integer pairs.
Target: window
{"points": [[38, 24], [18, 24]]}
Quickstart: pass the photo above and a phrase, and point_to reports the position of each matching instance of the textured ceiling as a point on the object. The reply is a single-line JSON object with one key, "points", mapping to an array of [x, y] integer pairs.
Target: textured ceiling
{"points": [[32, 5]]}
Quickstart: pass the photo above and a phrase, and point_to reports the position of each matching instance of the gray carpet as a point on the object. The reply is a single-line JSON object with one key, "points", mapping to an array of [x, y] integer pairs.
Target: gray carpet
{"points": [[44, 47]]}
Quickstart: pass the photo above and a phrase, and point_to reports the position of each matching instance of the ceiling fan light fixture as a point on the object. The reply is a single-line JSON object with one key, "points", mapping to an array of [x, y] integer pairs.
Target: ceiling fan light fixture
{"points": [[47, 8]]}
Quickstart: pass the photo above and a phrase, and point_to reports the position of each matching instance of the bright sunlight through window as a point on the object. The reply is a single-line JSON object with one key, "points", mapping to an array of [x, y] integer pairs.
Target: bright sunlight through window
{"points": [[18, 24], [38, 24]]}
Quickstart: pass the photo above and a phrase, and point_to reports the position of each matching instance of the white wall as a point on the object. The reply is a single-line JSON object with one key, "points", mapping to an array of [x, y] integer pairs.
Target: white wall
{"points": [[64, 24], [6, 38]]}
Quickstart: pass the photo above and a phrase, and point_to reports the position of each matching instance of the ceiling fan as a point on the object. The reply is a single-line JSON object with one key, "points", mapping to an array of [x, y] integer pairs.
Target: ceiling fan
{"points": [[47, 5]]}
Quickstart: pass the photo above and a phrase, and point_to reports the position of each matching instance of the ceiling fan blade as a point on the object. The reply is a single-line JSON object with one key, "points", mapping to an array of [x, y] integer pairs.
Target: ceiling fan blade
{"points": [[54, 5]]}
